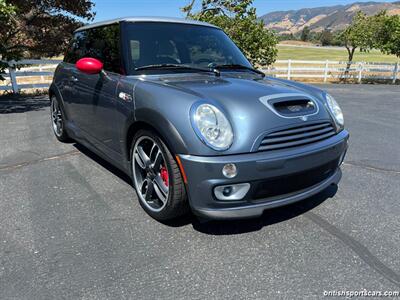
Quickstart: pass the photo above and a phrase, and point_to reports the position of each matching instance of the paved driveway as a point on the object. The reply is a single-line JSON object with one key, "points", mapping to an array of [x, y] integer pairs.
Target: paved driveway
{"points": [[71, 226]]}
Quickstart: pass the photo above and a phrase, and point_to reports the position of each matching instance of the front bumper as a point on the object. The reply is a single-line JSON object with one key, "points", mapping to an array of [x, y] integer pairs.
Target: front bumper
{"points": [[205, 173]]}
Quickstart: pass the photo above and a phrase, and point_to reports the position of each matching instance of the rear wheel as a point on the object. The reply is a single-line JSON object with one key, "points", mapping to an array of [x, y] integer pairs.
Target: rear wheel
{"points": [[58, 120], [157, 178]]}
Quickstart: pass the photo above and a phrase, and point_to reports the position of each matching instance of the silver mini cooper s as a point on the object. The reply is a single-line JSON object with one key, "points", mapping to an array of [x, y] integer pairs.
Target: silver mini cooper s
{"points": [[178, 107]]}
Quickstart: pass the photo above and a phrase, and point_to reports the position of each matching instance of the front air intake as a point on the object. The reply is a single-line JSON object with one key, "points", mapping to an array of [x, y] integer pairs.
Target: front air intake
{"points": [[297, 136], [295, 107]]}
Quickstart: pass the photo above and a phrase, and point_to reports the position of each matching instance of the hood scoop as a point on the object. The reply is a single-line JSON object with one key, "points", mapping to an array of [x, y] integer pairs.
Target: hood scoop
{"points": [[295, 107], [291, 105]]}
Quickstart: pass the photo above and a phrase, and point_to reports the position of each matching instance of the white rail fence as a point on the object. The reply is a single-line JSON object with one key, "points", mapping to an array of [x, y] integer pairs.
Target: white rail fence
{"points": [[333, 70], [40, 72], [19, 76]]}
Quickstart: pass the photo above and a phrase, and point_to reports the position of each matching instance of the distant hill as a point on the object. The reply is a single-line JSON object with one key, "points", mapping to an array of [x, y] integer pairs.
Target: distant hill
{"points": [[320, 18]]}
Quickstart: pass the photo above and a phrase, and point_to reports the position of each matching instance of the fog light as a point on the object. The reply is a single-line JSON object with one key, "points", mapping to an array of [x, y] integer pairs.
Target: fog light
{"points": [[227, 191], [232, 192], [229, 170]]}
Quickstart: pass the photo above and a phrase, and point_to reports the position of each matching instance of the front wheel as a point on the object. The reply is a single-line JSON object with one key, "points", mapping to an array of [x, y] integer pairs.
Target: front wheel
{"points": [[157, 178]]}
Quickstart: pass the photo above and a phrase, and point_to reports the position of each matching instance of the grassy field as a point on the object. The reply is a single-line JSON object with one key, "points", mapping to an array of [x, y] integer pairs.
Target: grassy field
{"points": [[299, 53]]}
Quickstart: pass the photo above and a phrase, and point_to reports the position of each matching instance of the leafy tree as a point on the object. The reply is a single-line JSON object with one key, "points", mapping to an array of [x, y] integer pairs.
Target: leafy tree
{"points": [[6, 12], [359, 34], [286, 37], [326, 38], [389, 35], [7, 18], [32, 28], [239, 20], [305, 34]]}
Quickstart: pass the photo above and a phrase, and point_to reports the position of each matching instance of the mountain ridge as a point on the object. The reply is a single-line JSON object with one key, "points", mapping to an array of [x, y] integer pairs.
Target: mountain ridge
{"points": [[334, 18]]}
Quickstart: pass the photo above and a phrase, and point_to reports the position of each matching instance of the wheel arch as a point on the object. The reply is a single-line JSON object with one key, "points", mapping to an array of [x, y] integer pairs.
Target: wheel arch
{"points": [[157, 123], [54, 91]]}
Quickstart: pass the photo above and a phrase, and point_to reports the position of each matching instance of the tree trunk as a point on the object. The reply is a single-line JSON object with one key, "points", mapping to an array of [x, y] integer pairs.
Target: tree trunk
{"points": [[350, 51]]}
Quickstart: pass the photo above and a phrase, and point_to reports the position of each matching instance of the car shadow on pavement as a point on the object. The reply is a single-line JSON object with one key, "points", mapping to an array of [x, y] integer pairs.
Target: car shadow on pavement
{"points": [[22, 103], [105, 164], [269, 217]]}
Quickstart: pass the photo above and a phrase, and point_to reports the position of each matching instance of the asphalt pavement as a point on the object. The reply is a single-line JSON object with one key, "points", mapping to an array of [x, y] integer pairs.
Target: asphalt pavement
{"points": [[71, 226]]}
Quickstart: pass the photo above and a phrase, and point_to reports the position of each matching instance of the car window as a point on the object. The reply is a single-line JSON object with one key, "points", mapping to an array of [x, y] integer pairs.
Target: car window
{"points": [[207, 49], [77, 48], [101, 43], [167, 51], [152, 43]]}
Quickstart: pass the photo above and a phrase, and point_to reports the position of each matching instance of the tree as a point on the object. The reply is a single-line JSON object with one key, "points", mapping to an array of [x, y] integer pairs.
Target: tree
{"points": [[305, 34], [239, 20], [359, 34], [286, 37], [326, 38], [7, 17], [389, 35], [30, 28]]}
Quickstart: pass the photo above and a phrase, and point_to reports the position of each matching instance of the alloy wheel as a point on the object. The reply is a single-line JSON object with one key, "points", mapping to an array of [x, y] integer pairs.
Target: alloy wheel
{"points": [[56, 118], [150, 173]]}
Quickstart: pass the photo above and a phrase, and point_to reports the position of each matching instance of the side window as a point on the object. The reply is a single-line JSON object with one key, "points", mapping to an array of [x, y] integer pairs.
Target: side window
{"points": [[103, 44], [77, 48]]}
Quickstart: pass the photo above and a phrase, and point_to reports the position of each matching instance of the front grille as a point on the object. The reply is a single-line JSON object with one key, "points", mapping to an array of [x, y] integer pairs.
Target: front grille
{"points": [[297, 136], [293, 183]]}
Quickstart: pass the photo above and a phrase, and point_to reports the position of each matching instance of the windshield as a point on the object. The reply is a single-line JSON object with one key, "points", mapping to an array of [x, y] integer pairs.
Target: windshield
{"points": [[178, 44]]}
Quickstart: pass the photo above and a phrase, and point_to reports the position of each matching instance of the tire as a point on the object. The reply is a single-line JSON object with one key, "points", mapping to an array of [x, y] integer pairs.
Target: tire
{"points": [[148, 168], [58, 120]]}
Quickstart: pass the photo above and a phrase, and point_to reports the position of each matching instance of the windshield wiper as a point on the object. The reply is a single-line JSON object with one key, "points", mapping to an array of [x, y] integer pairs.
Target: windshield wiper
{"points": [[236, 66], [178, 66]]}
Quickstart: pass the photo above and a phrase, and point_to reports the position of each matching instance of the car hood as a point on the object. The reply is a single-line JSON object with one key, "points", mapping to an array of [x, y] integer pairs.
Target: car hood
{"points": [[240, 91], [240, 97]]}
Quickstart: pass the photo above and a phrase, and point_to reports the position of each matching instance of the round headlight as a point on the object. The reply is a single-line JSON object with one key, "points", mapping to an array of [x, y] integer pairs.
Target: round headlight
{"points": [[211, 126], [335, 109]]}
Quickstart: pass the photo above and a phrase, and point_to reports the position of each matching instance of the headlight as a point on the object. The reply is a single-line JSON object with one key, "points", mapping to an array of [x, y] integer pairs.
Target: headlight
{"points": [[335, 109], [211, 126]]}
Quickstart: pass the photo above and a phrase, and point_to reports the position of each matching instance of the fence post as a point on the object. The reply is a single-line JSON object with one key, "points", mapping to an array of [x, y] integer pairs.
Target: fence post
{"points": [[289, 69], [326, 71], [395, 72], [13, 78], [360, 70], [41, 77]]}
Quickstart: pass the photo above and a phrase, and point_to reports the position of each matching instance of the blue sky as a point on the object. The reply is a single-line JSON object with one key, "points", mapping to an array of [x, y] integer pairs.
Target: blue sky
{"points": [[108, 9]]}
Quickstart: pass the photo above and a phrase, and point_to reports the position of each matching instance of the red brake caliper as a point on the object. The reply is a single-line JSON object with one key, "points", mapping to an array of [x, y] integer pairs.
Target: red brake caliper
{"points": [[164, 175]]}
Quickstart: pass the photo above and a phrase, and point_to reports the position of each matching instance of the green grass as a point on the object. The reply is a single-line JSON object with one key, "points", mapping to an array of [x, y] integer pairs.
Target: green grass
{"points": [[297, 53]]}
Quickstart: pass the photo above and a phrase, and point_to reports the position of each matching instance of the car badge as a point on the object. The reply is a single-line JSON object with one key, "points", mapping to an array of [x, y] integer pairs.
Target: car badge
{"points": [[124, 96]]}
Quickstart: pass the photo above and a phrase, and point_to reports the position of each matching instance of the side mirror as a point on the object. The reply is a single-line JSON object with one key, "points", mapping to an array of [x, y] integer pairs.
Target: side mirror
{"points": [[89, 65]]}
